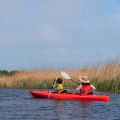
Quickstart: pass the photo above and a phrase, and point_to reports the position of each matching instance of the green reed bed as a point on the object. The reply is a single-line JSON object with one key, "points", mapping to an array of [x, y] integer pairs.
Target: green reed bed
{"points": [[105, 86], [108, 86], [29, 84], [105, 77]]}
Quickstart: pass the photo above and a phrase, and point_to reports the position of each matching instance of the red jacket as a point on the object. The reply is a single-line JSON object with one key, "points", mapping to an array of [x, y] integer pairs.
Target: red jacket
{"points": [[86, 88]]}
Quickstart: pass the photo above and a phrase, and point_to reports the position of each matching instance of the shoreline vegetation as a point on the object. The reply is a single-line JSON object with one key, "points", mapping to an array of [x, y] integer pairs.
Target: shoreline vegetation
{"points": [[106, 78]]}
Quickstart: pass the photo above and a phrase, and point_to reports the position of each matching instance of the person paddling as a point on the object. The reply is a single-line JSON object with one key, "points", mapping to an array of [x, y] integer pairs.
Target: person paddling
{"points": [[58, 87], [86, 86]]}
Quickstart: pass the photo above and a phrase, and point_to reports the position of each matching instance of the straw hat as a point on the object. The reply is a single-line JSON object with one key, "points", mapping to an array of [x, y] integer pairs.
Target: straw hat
{"points": [[84, 79]]}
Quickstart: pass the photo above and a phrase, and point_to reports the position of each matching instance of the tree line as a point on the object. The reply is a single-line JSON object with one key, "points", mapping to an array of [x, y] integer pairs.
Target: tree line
{"points": [[7, 73]]}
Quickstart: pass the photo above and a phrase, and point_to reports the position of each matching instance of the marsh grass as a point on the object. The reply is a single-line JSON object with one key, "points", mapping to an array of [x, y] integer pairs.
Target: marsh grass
{"points": [[106, 77]]}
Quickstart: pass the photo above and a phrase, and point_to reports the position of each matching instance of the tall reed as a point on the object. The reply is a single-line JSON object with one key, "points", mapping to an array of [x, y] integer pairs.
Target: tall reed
{"points": [[106, 77]]}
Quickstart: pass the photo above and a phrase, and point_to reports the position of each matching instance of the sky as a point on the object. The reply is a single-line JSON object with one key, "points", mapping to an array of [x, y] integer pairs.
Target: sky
{"points": [[42, 34]]}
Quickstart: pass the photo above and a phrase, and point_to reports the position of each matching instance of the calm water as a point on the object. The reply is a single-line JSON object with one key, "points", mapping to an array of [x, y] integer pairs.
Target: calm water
{"points": [[19, 105]]}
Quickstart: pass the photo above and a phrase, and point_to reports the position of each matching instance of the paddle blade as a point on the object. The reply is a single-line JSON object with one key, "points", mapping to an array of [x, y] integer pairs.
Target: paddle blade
{"points": [[65, 75]]}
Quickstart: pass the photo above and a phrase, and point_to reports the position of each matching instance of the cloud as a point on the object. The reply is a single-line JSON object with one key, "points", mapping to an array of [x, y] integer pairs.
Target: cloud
{"points": [[11, 12], [43, 34], [66, 11], [47, 34], [52, 32], [61, 10]]}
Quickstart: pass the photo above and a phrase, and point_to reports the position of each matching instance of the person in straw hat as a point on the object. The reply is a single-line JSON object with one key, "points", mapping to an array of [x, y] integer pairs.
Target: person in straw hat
{"points": [[86, 86]]}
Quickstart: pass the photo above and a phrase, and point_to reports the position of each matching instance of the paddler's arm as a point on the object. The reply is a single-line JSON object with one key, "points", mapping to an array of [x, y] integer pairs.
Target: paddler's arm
{"points": [[93, 87], [79, 88], [55, 87]]}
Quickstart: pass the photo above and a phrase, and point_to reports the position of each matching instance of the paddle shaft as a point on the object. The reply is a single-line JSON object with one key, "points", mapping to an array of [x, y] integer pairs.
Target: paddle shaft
{"points": [[74, 82], [51, 88], [66, 76], [53, 84]]}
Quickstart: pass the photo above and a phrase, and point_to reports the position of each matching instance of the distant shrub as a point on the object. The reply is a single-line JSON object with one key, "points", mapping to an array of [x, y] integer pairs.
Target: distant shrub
{"points": [[7, 73]]}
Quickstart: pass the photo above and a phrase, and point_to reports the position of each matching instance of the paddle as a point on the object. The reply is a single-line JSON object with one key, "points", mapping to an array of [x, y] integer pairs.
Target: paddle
{"points": [[53, 84], [66, 76], [51, 88]]}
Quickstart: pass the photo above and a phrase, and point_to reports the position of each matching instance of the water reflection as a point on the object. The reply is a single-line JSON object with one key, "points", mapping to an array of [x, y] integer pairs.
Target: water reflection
{"points": [[18, 104], [115, 101], [69, 109], [59, 102]]}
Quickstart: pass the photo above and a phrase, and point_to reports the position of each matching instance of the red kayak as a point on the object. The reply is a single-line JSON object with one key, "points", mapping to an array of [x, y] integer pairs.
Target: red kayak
{"points": [[69, 96]]}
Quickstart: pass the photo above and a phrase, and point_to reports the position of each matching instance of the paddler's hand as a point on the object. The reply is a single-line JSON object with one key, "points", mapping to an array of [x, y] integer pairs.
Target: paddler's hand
{"points": [[94, 89]]}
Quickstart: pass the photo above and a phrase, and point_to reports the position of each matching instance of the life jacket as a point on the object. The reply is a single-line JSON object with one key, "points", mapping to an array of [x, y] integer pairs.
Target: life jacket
{"points": [[60, 88], [86, 88]]}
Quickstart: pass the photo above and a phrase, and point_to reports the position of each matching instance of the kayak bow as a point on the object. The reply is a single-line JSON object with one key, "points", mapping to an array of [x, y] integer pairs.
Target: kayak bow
{"points": [[69, 96]]}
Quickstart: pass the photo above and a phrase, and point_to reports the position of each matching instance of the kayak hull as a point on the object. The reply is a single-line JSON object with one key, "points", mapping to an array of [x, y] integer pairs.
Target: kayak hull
{"points": [[67, 96]]}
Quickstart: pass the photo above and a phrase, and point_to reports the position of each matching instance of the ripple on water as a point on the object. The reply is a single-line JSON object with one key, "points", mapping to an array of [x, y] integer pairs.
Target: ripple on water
{"points": [[19, 104]]}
